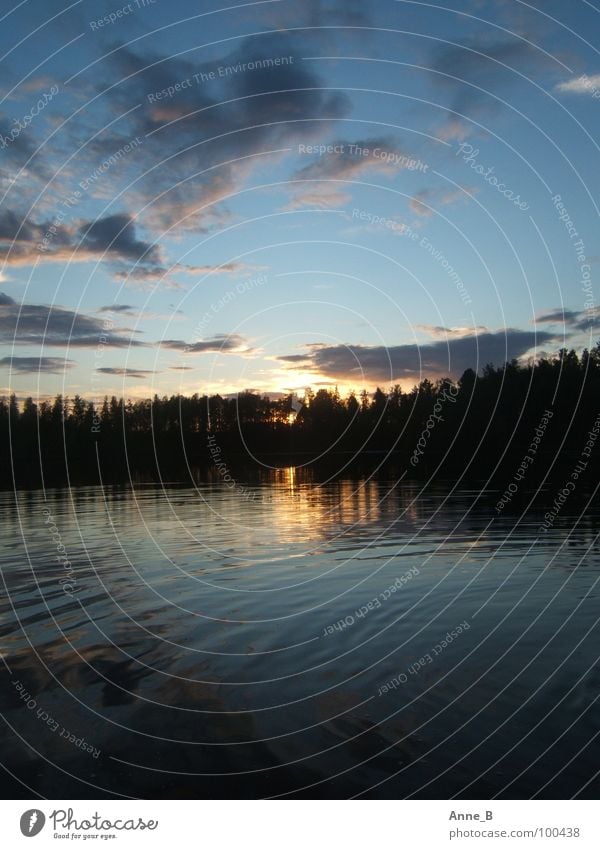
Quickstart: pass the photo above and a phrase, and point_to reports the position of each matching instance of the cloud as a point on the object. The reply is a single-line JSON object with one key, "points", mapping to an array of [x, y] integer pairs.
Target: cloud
{"points": [[438, 332], [436, 359], [580, 85], [127, 308], [36, 84], [39, 324], [318, 195], [220, 344], [421, 202], [37, 365], [355, 158], [346, 162], [568, 316], [294, 358], [226, 268], [141, 275], [14, 228], [524, 18], [578, 320], [418, 205], [203, 134], [454, 129], [361, 221], [18, 149], [115, 235], [469, 71], [126, 372], [318, 14], [200, 146], [112, 238]]}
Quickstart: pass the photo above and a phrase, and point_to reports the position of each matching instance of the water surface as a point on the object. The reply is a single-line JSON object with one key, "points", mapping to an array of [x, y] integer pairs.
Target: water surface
{"points": [[246, 642]]}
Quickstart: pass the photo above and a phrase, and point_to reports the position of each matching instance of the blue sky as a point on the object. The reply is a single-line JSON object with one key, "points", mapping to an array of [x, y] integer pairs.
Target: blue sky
{"points": [[283, 194]]}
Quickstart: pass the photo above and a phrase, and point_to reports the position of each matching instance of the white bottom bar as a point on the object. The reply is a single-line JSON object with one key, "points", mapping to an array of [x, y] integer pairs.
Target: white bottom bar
{"points": [[302, 824]]}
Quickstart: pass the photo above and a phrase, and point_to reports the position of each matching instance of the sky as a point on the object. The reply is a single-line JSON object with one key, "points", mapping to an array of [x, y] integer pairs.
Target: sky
{"points": [[282, 194]]}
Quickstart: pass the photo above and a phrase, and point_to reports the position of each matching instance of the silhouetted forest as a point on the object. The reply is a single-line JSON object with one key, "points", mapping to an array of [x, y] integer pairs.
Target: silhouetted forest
{"points": [[481, 424]]}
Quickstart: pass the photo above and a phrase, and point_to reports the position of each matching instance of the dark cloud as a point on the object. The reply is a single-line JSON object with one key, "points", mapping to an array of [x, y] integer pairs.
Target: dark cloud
{"points": [[16, 151], [113, 238], [39, 324], [21, 238], [472, 61], [293, 358], [117, 308], [126, 372], [577, 320], [451, 357], [467, 72], [223, 344], [318, 13], [15, 228], [558, 315], [524, 18], [37, 365], [143, 274]]}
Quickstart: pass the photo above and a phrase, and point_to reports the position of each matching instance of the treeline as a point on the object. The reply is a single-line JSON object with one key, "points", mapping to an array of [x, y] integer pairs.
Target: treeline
{"points": [[440, 428]]}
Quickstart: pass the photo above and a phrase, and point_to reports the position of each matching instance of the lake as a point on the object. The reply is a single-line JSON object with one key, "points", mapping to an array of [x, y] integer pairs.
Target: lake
{"points": [[289, 637]]}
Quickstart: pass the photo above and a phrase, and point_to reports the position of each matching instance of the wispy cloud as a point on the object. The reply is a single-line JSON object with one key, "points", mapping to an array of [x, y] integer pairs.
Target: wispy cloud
{"points": [[580, 85], [440, 332], [423, 202], [318, 196], [37, 365], [344, 162], [126, 372], [575, 319], [231, 343], [142, 276]]}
